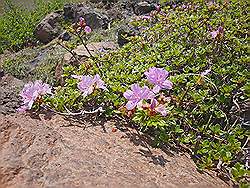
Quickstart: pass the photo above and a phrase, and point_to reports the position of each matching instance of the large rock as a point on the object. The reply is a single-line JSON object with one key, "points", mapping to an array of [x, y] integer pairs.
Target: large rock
{"points": [[48, 151], [49, 28], [143, 8], [94, 19], [94, 48], [69, 10]]}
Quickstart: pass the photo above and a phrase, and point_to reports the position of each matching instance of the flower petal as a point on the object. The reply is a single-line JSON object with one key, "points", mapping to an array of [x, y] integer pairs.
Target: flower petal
{"points": [[167, 84], [131, 105], [128, 94], [161, 109], [156, 89]]}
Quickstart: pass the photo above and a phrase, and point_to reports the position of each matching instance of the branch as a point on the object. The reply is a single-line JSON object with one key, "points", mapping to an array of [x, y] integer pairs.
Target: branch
{"points": [[69, 113]]}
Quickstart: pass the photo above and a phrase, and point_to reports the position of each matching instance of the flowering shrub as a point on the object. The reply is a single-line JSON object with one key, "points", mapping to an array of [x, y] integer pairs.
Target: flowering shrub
{"points": [[195, 83], [136, 95], [32, 92], [87, 84], [158, 77]]}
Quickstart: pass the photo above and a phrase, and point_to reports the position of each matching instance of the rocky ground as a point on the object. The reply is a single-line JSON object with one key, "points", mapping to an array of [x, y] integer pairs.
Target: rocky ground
{"points": [[47, 150]]}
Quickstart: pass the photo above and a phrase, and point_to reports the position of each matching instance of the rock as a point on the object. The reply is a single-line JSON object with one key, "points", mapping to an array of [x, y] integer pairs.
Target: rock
{"points": [[93, 18], [69, 11], [143, 8], [48, 151], [94, 48], [65, 36], [123, 33], [1, 73], [9, 94], [49, 28]]}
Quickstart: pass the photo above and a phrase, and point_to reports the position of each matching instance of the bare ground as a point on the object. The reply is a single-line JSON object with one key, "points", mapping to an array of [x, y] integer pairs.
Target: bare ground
{"points": [[49, 151]]}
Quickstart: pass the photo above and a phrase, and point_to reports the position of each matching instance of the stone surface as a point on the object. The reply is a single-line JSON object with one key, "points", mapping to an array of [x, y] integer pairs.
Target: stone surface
{"points": [[143, 8], [48, 151], [9, 94], [93, 18], [49, 27], [94, 48]]}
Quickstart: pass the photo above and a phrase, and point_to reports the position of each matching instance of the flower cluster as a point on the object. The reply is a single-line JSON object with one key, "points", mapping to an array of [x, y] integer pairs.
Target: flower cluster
{"points": [[31, 92], [158, 77], [84, 26], [88, 84], [137, 94]]}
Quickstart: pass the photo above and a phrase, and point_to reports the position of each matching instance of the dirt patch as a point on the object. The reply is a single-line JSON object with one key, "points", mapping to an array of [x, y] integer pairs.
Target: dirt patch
{"points": [[52, 152]]}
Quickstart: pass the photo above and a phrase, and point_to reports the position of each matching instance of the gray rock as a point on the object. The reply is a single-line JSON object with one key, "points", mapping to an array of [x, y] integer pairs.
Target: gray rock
{"points": [[9, 94], [94, 19], [65, 36], [143, 8], [49, 27], [94, 48], [123, 33], [69, 11]]}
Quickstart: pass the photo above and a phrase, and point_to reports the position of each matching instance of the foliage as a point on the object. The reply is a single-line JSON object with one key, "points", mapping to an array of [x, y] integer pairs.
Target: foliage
{"points": [[34, 63], [204, 47], [18, 24]]}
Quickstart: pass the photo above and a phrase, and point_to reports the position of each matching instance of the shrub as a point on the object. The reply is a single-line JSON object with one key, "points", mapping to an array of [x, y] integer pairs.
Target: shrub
{"points": [[204, 47]]}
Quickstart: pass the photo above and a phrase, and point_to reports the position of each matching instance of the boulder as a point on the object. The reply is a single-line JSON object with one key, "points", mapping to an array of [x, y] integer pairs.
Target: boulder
{"points": [[143, 8], [94, 19], [69, 10], [48, 151], [49, 28], [65, 36]]}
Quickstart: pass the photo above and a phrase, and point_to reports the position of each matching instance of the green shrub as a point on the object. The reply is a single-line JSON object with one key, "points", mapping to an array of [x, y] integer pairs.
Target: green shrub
{"points": [[17, 24], [205, 110]]}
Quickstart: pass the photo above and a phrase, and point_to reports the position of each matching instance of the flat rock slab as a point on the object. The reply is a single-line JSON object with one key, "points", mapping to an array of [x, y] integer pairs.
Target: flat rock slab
{"points": [[94, 48], [48, 151]]}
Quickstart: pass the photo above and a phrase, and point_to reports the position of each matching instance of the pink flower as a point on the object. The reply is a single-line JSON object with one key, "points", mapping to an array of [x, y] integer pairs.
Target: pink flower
{"points": [[31, 92], [214, 34], [158, 77], [136, 95], [82, 22], [87, 29], [146, 17], [218, 32], [156, 107], [158, 8], [88, 84]]}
